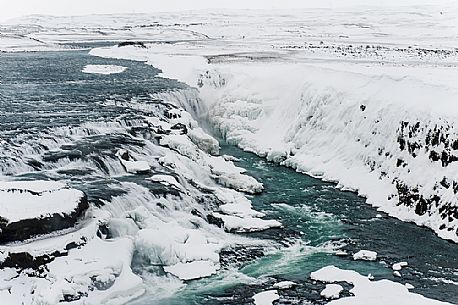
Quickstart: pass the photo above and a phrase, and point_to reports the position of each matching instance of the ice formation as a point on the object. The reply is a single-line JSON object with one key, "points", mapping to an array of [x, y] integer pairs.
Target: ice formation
{"points": [[266, 297], [366, 255], [370, 292], [103, 69]]}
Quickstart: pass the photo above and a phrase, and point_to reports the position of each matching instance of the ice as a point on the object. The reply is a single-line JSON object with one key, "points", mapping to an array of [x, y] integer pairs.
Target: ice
{"points": [[332, 291], [92, 270], [204, 141], [284, 285], [167, 180], [170, 244], [247, 223], [366, 255], [132, 166], [103, 69], [399, 266], [266, 297], [370, 292], [232, 176], [192, 270]]}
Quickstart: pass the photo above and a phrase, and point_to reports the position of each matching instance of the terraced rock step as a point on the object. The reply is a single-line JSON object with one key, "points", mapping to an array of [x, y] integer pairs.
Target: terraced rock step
{"points": [[29, 208]]}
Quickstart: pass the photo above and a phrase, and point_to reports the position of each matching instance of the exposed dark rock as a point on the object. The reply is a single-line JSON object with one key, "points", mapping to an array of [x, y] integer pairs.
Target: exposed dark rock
{"points": [[237, 256], [74, 297], [215, 220], [132, 43]]}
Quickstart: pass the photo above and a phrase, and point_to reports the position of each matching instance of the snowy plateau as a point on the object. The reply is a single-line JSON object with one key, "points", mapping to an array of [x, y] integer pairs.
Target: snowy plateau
{"points": [[365, 98]]}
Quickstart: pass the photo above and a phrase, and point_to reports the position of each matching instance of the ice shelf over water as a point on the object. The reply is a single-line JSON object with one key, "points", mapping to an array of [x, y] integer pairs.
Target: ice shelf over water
{"points": [[366, 291]]}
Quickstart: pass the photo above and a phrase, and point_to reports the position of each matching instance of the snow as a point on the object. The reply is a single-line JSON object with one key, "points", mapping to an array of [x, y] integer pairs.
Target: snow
{"points": [[332, 291], [399, 266], [266, 297], [204, 141], [21, 200], [370, 292], [167, 180], [103, 69], [284, 285], [246, 224], [132, 166], [232, 176], [192, 270], [366, 255], [77, 273]]}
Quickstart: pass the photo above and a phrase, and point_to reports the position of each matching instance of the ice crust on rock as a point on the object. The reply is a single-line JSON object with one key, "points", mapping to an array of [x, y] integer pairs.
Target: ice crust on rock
{"points": [[370, 292], [366, 255], [331, 291], [192, 270], [399, 266], [266, 297], [131, 165], [204, 141], [284, 285]]}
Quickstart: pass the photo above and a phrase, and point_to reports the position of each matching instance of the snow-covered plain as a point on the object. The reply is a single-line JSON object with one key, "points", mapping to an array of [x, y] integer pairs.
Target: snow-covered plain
{"points": [[368, 104]]}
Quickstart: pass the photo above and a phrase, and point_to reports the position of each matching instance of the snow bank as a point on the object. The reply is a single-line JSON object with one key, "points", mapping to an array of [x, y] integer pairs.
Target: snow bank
{"points": [[332, 291], [103, 69], [370, 292], [28, 200], [192, 270]]}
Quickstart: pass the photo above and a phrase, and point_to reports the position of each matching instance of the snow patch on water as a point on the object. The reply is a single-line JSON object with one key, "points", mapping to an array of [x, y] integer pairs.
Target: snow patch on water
{"points": [[370, 292]]}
